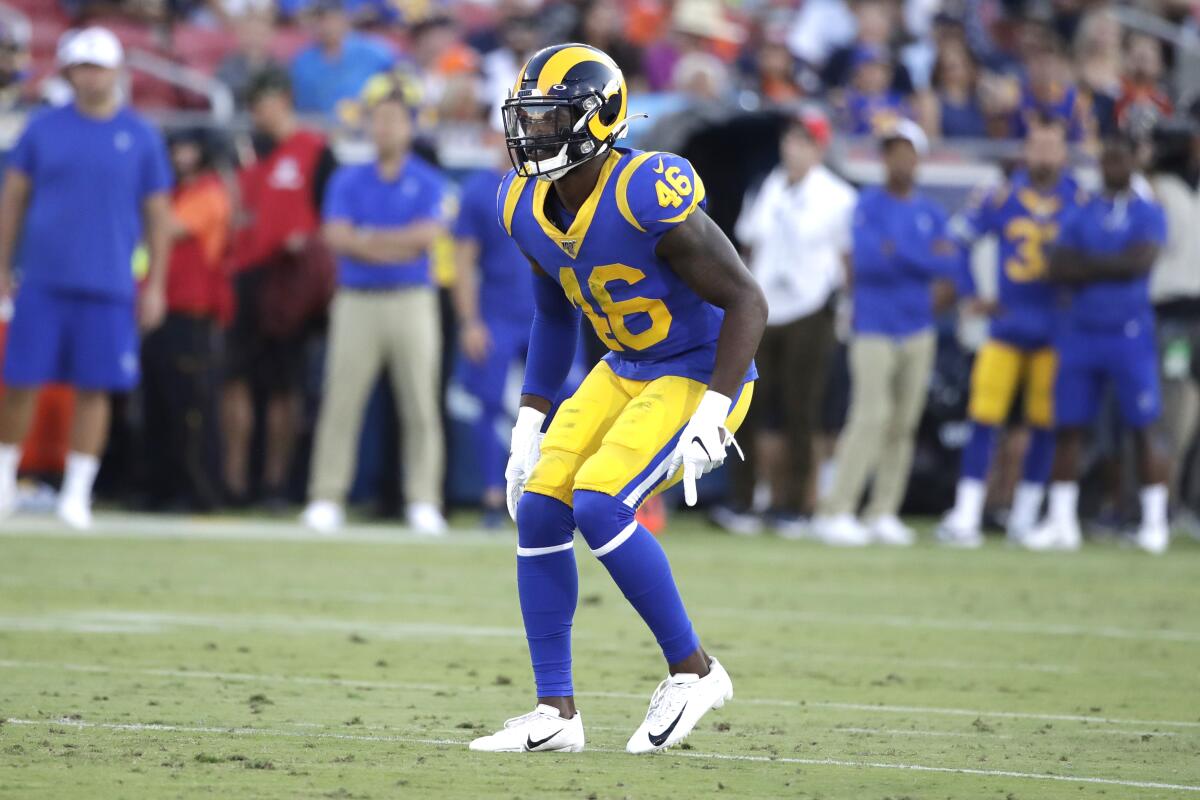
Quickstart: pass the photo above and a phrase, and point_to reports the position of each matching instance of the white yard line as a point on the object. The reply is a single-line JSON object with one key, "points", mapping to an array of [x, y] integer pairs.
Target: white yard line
{"points": [[816, 762], [759, 701]]}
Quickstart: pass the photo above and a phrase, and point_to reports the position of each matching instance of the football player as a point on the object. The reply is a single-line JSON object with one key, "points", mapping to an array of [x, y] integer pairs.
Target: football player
{"points": [[621, 237], [1024, 214], [1104, 256]]}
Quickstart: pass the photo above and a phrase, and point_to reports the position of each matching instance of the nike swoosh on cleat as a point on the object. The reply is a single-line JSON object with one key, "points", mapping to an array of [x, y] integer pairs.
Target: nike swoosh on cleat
{"points": [[658, 739], [530, 744]]}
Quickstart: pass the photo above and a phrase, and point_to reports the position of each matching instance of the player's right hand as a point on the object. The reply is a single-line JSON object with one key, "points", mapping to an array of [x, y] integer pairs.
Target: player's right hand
{"points": [[523, 454]]}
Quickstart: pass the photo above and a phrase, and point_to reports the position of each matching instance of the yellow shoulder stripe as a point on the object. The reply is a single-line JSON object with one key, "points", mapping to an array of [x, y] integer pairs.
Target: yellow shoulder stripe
{"points": [[510, 201], [623, 188]]}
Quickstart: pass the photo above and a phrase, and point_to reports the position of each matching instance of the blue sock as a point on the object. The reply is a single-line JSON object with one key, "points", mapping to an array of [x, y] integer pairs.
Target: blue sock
{"points": [[977, 455], [548, 585], [1039, 457], [636, 561]]}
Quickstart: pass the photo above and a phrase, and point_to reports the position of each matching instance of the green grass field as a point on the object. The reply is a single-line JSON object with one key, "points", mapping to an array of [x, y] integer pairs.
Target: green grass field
{"points": [[238, 659]]}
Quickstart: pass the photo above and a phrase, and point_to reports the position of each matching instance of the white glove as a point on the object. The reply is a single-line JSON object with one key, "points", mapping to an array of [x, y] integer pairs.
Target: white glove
{"points": [[702, 444], [523, 454]]}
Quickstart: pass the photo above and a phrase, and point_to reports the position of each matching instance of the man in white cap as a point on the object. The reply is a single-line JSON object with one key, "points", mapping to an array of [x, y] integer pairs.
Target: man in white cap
{"points": [[83, 184], [900, 247]]}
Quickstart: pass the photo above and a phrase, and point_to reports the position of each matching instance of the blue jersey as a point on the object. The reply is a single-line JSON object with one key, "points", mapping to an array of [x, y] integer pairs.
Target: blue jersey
{"points": [[505, 290], [605, 261], [1026, 223], [1108, 226], [899, 248], [357, 194], [89, 181]]}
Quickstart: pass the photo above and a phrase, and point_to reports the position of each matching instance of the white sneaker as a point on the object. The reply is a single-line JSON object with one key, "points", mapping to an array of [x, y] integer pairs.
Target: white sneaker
{"points": [[8, 500], [889, 530], [951, 533], [841, 530], [542, 730], [677, 705], [735, 522], [75, 512], [1051, 535], [1153, 539], [426, 520], [793, 528], [323, 516]]}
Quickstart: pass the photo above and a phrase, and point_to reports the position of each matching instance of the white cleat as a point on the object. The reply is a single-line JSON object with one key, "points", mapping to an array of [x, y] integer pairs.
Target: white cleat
{"points": [[736, 522], [951, 533], [426, 520], [542, 730], [1154, 539], [75, 513], [889, 530], [1053, 536], [8, 501], [677, 705], [323, 516], [841, 530]]}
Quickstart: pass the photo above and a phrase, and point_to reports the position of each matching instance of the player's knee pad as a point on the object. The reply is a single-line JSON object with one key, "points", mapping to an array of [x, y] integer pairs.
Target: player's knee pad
{"points": [[602, 519], [544, 524]]}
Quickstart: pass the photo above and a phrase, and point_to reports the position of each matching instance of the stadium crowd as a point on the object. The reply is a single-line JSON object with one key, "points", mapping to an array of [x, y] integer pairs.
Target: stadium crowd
{"points": [[275, 285]]}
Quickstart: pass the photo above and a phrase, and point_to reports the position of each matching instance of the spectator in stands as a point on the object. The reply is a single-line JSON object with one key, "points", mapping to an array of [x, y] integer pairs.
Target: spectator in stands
{"points": [[900, 248], [1141, 90], [871, 105], [252, 34], [797, 230], [1049, 89], [1175, 291], [877, 24], [84, 183], [1103, 256], [14, 62], [776, 79], [381, 218], [697, 26], [180, 359], [1098, 63], [493, 300], [337, 65], [519, 38], [599, 25], [280, 212], [958, 111]]}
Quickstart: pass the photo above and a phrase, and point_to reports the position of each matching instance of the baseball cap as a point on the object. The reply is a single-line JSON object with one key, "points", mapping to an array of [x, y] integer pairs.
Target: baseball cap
{"points": [[96, 46], [907, 130], [268, 80], [814, 123]]}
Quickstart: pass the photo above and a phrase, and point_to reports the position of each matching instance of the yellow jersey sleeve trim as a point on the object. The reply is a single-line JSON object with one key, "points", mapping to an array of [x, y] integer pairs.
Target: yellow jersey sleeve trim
{"points": [[510, 201], [623, 188]]}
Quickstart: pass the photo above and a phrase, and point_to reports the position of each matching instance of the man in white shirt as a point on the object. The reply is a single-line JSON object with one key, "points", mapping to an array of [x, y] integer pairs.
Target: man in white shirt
{"points": [[796, 229]]}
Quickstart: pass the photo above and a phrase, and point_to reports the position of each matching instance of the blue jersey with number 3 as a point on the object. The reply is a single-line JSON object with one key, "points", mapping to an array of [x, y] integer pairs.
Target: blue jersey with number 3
{"points": [[1026, 224], [652, 322]]}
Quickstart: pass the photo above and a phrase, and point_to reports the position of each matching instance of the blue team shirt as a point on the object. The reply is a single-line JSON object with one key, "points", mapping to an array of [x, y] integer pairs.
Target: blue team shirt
{"points": [[357, 194], [89, 181], [1107, 226], [900, 248], [505, 282], [652, 322], [1026, 224], [871, 115], [319, 83]]}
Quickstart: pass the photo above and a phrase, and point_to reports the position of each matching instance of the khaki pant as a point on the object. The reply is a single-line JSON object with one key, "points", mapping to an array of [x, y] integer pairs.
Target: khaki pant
{"points": [[367, 331], [889, 380]]}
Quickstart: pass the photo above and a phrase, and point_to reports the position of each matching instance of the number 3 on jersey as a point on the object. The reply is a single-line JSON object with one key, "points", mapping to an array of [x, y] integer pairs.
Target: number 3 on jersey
{"points": [[610, 321], [672, 187]]}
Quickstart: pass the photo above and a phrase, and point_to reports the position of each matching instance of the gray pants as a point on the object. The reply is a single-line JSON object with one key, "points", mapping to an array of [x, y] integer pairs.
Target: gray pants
{"points": [[889, 379], [367, 331]]}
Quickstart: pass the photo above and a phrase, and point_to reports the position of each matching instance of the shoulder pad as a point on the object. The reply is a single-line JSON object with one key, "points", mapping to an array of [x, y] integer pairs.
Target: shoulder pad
{"points": [[657, 191], [507, 195]]}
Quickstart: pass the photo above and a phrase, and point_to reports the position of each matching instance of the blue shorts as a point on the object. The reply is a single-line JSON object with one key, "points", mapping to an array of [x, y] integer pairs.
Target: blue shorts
{"points": [[1087, 360], [85, 341]]}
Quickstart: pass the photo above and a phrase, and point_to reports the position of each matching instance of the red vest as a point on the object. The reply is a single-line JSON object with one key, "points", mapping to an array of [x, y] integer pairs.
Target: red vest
{"points": [[277, 194], [198, 281]]}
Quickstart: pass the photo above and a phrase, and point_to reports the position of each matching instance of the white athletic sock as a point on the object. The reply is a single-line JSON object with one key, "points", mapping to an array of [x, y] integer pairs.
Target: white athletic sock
{"points": [[1154, 505], [79, 476], [969, 497], [10, 460], [1064, 503], [1027, 502]]}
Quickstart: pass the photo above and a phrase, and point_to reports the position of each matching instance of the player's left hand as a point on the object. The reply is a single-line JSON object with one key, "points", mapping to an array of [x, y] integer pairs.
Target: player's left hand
{"points": [[702, 444], [152, 307]]}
